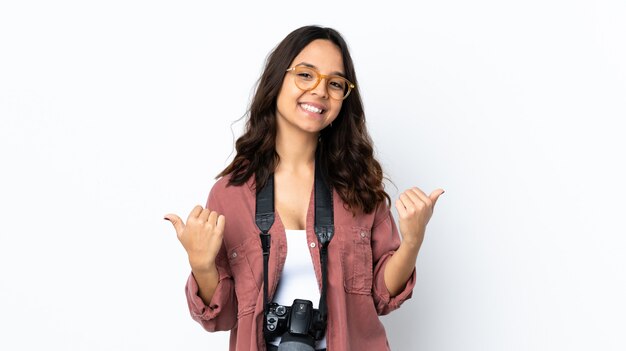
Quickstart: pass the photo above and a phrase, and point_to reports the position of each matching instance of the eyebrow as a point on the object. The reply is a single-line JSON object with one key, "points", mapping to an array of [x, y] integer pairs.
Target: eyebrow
{"points": [[336, 73]]}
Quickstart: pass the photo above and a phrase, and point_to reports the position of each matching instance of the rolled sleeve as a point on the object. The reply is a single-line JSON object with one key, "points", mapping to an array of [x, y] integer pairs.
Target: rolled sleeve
{"points": [[221, 313], [385, 303]]}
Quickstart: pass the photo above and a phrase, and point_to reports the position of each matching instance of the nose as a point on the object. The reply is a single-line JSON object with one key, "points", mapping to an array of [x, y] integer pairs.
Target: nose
{"points": [[321, 88]]}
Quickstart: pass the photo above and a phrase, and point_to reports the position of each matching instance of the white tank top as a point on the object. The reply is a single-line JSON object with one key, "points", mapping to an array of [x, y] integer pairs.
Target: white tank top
{"points": [[298, 281]]}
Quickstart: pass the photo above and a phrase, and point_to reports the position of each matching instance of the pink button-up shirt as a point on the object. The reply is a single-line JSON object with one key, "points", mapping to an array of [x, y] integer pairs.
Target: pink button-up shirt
{"points": [[356, 291]]}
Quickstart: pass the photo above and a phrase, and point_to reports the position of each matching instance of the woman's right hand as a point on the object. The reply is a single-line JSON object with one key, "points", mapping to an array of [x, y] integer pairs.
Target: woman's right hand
{"points": [[201, 236]]}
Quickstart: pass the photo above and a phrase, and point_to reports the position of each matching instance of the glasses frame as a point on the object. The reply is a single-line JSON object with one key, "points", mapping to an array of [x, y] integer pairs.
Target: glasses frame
{"points": [[319, 79]]}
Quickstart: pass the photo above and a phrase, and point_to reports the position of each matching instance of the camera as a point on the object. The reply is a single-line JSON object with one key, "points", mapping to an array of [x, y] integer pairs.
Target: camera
{"points": [[299, 325]]}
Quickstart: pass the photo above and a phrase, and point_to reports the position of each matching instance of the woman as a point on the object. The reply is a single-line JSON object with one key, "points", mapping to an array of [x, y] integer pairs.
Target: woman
{"points": [[307, 103]]}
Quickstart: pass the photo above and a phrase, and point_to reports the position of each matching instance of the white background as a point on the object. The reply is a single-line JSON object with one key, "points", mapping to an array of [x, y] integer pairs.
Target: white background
{"points": [[115, 113]]}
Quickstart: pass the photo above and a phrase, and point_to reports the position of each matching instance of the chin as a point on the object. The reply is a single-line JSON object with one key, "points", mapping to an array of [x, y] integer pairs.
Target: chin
{"points": [[312, 130]]}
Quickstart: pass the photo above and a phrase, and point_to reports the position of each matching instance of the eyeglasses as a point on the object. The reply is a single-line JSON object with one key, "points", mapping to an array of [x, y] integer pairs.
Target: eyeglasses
{"points": [[308, 78]]}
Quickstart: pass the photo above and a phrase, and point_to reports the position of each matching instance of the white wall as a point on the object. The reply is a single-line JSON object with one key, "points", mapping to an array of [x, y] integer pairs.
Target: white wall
{"points": [[115, 113]]}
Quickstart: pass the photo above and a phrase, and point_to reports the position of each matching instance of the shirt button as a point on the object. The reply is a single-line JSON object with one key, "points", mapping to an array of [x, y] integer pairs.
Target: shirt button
{"points": [[312, 245], [362, 234], [234, 255]]}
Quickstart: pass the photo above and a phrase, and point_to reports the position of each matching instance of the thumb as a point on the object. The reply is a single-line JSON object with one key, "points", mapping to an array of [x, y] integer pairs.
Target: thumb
{"points": [[434, 196], [178, 224]]}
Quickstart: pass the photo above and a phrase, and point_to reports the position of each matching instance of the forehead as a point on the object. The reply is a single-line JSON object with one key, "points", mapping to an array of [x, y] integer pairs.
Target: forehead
{"points": [[323, 54]]}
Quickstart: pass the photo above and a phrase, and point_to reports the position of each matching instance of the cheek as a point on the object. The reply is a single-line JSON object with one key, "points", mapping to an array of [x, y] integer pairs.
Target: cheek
{"points": [[287, 95], [335, 110]]}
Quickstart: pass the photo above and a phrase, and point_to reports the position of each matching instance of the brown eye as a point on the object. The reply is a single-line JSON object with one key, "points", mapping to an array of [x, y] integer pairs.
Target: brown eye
{"points": [[337, 84], [306, 74]]}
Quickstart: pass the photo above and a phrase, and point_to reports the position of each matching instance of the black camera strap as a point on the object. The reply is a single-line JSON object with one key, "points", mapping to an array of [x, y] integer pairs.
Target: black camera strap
{"points": [[324, 230]]}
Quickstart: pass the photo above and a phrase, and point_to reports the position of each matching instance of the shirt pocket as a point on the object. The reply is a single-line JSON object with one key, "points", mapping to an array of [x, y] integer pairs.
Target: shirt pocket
{"points": [[356, 260], [247, 285]]}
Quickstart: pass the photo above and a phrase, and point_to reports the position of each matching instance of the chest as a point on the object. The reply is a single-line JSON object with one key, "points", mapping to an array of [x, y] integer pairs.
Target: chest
{"points": [[291, 199]]}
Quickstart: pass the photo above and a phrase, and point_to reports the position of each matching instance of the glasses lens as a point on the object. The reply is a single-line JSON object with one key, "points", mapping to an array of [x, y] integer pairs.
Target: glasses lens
{"points": [[306, 78], [337, 87]]}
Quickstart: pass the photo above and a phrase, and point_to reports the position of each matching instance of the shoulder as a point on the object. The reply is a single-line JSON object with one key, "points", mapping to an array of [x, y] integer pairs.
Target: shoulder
{"points": [[223, 187], [382, 212], [224, 195]]}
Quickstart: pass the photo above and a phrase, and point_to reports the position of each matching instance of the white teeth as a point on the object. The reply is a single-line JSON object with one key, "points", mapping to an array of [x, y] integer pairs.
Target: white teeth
{"points": [[311, 108]]}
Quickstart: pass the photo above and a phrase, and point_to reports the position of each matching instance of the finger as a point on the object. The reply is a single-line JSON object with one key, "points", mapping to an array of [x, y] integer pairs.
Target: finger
{"points": [[221, 223], [401, 209], [418, 199], [434, 196], [219, 227], [218, 230], [421, 195], [195, 212], [212, 219], [408, 202], [204, 216], [178, 224]]}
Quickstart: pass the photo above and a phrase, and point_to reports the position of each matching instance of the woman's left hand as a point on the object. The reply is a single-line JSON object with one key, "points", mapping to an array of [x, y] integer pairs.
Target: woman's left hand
{"points": [[415, 209]]}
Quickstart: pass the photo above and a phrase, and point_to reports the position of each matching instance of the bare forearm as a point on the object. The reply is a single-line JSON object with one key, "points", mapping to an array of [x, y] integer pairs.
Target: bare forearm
{"points": [[207, 280], [400, 267]]}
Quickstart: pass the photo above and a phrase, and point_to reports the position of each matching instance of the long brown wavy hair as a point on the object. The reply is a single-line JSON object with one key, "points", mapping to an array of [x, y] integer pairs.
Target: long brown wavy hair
{"points": [[345, 148]]}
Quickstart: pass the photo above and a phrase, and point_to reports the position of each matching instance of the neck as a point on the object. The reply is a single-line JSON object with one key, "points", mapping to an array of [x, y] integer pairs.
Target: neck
{"points": [[296, 150]]}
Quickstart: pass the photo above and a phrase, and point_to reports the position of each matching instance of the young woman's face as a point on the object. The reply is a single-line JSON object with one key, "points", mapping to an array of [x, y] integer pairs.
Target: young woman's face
{"points": [[312, 110]]}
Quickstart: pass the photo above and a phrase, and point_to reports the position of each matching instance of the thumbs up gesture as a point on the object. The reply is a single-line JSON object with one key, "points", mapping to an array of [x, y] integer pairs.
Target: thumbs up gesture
{"points": [[201, 236], [415, 209]]}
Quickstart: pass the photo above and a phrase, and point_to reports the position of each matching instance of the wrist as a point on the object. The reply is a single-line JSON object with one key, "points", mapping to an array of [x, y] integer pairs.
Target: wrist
{"points": [[411, 245], [202, 267]]}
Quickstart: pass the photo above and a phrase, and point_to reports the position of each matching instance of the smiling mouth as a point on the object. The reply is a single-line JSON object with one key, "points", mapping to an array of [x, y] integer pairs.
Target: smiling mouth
{"points": [[313, 109]]}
